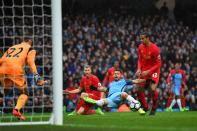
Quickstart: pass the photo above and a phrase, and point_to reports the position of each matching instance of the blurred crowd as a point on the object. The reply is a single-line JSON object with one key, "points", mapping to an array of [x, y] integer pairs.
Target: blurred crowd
{"points": [[99, 40]]}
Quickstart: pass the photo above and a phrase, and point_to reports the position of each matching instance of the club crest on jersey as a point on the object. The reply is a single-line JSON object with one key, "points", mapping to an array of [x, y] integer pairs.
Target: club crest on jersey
{"points": [[147, 57]]}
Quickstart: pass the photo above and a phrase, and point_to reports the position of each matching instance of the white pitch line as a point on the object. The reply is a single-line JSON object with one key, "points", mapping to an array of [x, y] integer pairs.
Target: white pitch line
{"points": [[166, 128]]}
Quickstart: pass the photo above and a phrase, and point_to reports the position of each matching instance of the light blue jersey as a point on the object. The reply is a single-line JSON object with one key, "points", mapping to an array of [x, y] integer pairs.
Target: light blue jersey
{"points": [[176, 81], [118, 86], [115, 89]]}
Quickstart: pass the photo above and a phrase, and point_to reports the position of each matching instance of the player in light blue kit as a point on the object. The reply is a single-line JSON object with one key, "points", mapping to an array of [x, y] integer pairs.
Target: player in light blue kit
{"points": [[117, 93], [176, 81]]}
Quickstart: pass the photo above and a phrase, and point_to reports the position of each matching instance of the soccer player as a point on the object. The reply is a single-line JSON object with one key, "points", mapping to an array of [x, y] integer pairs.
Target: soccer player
{"points": [[118, 92], [109, 77], [175, 80], [149, 63], [12, 72], [90, 84]]}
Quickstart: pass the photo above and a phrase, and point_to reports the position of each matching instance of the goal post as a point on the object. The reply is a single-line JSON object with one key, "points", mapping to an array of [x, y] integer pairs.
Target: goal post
{"points": [[57, 62], [40, 20]]}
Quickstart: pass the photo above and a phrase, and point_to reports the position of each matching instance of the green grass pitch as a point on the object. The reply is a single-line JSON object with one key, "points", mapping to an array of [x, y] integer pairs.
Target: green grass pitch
{"points": [[162, 121]]}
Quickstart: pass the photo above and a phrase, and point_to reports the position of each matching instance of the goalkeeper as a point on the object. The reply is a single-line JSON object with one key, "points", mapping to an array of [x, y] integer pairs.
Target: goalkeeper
{"points": [[12, 72]]}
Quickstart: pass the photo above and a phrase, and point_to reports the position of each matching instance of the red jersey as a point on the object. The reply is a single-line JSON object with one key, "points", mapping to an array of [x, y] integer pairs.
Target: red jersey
{"points": [[173, 71], [149, 57], [109, 76], [90, 84]]}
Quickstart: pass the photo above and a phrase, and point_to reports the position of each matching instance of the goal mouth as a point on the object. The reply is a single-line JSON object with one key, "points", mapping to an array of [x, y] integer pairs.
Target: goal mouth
{"points": [[30, 21]]}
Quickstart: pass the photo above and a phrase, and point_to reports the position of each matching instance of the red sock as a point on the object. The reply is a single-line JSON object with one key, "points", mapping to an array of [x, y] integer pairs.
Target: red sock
{"points": [[79, 104], [142, 99], [155, 96], [183, 101]]}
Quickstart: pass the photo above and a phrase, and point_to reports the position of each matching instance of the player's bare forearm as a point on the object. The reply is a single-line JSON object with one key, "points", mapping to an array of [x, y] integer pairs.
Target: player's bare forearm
{"points": [[136, 81], [31, 61], [102, 89], [184, 84], [73, 91], [103, 95]]}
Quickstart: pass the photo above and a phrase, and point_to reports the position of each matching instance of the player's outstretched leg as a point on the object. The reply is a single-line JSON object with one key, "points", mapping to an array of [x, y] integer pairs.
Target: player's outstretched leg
{"points": [[73, 113], [89, 100], [169, 109], [133, 102], [155, 95], [17, 114], [142, 100], [99, 111], [92, 101]]}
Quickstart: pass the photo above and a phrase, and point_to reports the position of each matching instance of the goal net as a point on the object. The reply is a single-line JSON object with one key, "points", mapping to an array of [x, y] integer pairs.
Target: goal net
{"points": [[21, 19]]}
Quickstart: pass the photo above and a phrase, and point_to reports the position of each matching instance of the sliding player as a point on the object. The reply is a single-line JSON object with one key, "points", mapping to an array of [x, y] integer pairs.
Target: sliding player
{"points": [[118, 93]]}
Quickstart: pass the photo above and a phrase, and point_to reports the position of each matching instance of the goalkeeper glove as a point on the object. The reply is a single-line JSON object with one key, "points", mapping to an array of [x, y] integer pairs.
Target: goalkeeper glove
{"points": [[39, 80]]}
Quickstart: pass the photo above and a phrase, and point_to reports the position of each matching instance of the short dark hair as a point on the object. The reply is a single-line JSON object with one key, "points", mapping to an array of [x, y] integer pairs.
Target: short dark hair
{"points": [[87, 66], [118, 69], [145, 33]]}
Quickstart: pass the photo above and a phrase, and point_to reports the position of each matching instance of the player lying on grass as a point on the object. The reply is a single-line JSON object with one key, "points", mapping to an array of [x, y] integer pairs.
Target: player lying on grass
{"points": [[118, 93], [90, 85], [12, 72]]}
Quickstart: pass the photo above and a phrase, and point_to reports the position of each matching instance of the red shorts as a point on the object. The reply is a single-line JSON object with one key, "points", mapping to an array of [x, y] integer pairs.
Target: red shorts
{"points": [[87, 106], [153, 77], [93, 96]]}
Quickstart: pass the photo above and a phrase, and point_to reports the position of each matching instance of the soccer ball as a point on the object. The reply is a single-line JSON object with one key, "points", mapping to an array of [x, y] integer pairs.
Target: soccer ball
{"points": [[135, 106]]}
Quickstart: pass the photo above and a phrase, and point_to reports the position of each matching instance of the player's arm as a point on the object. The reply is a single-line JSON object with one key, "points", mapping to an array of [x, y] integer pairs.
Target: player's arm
{"points": [[157, 57], [169, 78], [31, 62], [137, 81], [73, 91], [78, 90], [98, 86], [106, 79], [102, 89], [139, 63], [184, 79], [139, 60]]}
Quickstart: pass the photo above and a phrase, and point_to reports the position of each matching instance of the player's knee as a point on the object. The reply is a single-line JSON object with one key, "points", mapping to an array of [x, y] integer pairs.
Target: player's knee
{"points": [[124, 95], [80, 111]]}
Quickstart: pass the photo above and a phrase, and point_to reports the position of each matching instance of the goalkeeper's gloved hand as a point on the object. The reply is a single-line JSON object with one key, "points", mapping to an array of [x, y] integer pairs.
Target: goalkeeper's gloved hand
{"points": [[39, 80], [1, 98]]}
